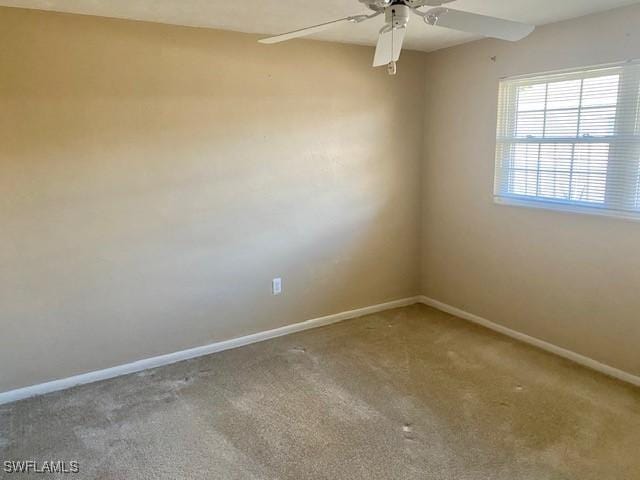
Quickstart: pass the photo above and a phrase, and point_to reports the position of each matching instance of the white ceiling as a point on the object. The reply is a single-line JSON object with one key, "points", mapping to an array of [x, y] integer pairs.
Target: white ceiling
{"points": [[278, 16]]}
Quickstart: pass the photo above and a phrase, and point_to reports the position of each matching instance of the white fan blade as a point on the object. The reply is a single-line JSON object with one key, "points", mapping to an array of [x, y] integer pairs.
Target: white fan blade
{"points": [[478, 24], [389, 46], [303, 32]]}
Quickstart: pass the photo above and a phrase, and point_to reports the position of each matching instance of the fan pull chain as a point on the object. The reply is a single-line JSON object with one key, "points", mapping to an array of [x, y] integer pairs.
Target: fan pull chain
{"points": [[392, 68]]}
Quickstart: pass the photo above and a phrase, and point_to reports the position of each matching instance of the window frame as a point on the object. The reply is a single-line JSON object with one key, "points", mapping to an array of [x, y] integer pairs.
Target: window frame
{"points": [[625, 125]]}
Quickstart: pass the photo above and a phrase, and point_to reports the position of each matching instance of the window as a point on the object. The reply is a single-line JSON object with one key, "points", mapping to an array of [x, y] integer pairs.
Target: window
{"points": [[571, 140]]}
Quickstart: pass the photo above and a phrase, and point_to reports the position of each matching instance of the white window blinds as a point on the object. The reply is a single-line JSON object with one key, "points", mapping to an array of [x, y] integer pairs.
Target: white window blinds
{"points": [[571, 140]]}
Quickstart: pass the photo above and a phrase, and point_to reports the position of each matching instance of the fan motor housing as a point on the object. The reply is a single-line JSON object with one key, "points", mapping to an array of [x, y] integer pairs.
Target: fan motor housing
{"points": [[381, 5], [397, 15]]}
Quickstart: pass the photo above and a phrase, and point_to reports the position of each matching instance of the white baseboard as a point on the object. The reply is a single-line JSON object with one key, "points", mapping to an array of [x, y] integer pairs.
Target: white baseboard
{"points": [[90, 377], [549, 347]]}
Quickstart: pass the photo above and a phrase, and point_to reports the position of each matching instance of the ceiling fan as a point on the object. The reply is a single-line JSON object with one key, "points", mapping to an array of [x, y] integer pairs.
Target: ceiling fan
{"points": [[397, 14]]}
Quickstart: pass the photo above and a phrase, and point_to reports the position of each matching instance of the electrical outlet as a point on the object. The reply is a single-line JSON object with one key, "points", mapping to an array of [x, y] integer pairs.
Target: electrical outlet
{"points": [[276, 286]]}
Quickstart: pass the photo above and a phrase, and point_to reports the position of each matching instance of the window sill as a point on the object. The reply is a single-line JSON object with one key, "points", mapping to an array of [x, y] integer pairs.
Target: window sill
{"points": [[565, 208]]}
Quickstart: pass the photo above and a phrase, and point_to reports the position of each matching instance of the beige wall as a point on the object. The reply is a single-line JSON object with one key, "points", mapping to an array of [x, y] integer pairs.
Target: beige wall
{"points": [[572, 280], [155, 178]]}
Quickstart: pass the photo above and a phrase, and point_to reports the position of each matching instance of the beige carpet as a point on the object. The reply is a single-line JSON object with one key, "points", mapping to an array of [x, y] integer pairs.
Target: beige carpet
{"points": [[411, 393]]}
